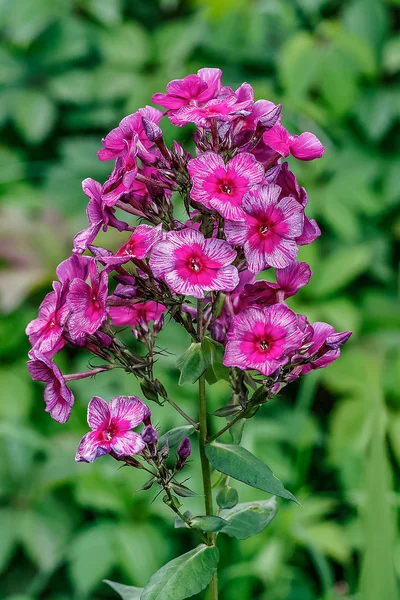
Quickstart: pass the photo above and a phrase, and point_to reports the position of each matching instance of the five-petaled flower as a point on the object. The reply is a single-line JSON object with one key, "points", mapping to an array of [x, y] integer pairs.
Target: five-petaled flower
{"points": [[221, 186], [269, 230], [111, 426], [262, 339], [192, 264]]}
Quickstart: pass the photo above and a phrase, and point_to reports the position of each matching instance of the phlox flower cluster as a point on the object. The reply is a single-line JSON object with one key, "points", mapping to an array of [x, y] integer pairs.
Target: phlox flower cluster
{"points": [[246, 214]]}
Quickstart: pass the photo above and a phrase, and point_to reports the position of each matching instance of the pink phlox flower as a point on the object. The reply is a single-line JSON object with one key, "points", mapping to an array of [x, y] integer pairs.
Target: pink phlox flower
{"points": [[129, 131], [269, 230], [193, 89], [191, 264], [111, 426], [140, 313], [57, 396], [288, 282], [221, 186], [304, 147], [141, 241], [46, 331], [263, 113], [324, 347], [121, 180], [76, 266], [87, 303], [262, 339], [99, 216]]}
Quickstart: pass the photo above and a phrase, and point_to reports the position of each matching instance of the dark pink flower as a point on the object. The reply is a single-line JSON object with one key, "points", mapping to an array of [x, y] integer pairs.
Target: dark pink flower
{"points": [[121, 180], [76, 266], [136, 314], [117, 142], [262, 339], [193, 89], [222, 186], [191, 264], [141, 241], [324, 346], [99, 216], [45, 332], [262, 112], [111, 426], [269, 230], [223, 109], [288, 282], [57, 396], [87, 303], [304, 147]]}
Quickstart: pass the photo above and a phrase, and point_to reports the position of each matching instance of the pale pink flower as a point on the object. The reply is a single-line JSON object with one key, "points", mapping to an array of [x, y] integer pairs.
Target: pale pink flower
{"points": [[262, 339], [222, 186], [57, 396], [304, 147], [269, 230], [111, 426], [191, 264], [87, 303]]}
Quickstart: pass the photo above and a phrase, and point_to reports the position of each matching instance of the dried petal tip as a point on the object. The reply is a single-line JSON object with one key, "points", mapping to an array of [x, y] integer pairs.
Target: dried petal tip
{"points": [[152, 130]]}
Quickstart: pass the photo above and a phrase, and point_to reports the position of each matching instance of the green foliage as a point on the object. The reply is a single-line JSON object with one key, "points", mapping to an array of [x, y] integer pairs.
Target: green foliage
{"points": [[184, 576], [191, 364], [249, 518], [69, 71], [239, 463], [126, 592]]}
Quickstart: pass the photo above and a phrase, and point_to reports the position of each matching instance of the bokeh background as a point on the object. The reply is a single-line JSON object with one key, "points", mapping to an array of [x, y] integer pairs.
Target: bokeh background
{"points": [[69, 71]]}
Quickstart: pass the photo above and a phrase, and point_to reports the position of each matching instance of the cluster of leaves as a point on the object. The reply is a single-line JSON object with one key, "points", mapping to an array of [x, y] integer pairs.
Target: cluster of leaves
{"points": [[69, 70]]}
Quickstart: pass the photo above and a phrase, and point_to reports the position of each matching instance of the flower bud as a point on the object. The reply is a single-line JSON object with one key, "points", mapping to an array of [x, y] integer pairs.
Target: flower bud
{"points": [[183, 451], [150, 435], [147, 415], [152, 131]]}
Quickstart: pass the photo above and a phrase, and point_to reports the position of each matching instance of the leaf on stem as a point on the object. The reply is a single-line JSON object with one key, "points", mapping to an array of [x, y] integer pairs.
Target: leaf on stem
{"points": [[175, 436], [126, 592], [240, 464], [192, 364], [249, 518], [184, 576], [208, 523]]}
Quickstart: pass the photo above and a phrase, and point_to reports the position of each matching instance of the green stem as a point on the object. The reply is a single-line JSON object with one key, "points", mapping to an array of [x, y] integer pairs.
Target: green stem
{"points": [[205, 465], [228, 426]]}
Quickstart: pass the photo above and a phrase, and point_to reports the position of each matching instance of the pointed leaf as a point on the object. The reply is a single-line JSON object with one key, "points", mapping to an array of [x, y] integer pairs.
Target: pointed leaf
{"points": [[249, 518], [240, 464], [175, 436], [191, 364], [184, 576], [126, 592]]}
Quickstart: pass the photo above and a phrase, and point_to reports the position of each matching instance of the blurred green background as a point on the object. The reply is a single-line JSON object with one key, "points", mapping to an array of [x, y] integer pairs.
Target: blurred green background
{"points": [[69, 71]]}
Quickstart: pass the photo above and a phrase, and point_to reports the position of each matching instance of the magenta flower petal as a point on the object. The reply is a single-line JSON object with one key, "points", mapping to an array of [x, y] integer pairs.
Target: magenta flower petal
{"points": [[127, 411], [127, 444], [293, 277], [141, 241], [91, 447], [98, 414], [278, 139], [57, 396], [87, 303], [306, 146]]}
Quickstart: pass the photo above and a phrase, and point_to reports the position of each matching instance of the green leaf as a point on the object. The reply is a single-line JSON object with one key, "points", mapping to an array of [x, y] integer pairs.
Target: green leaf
{"points": [[184, 576], [208, 523], [175, 436], [214, 354], [240, 464], [126, 592], [192, 364], [249, 518], [337, 271], [227, 497], [34, 116], [125, 46]]}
